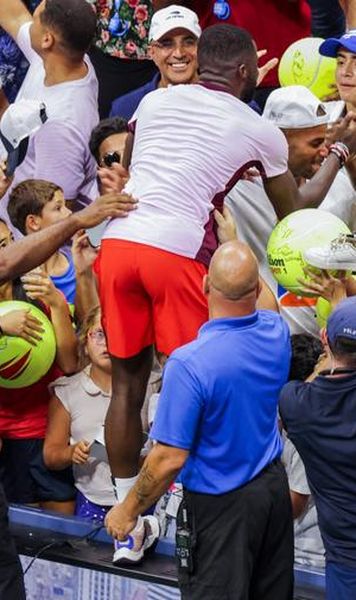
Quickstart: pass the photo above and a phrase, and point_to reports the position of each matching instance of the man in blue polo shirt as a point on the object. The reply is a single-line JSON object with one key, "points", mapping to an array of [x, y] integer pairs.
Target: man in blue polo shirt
{"points": [[217, 424], [320, 417]]}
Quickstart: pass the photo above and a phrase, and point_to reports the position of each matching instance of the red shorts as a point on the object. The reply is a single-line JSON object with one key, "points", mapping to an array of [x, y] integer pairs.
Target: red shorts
{"points": [[148, 296]]}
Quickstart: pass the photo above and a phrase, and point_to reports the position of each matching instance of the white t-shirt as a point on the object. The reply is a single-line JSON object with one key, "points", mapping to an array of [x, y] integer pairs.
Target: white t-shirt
{"points": [[308, 545], [255, 219], [87, 406], [192, 144], [59, 151]]}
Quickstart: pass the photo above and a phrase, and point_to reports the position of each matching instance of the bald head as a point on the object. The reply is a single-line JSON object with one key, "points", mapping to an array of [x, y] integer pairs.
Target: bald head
{"points": [[233, 271]]}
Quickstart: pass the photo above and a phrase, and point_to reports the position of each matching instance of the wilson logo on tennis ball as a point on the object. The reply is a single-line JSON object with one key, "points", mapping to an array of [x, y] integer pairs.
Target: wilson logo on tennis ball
{"points": [[14, 367]]}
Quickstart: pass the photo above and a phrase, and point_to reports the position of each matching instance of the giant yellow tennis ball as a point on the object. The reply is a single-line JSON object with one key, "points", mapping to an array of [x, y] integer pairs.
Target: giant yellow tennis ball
{"points": [[322, 312], [301, 64], [21, 363], [293, 235]]}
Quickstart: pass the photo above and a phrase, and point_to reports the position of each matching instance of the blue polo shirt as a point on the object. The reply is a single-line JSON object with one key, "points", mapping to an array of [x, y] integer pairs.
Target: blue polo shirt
{"points": [[125, 106], [320, 418], [219, 400]]}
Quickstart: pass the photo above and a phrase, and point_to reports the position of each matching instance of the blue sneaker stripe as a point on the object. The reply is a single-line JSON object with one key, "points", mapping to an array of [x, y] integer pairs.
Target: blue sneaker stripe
{"points": [[128, 543]]}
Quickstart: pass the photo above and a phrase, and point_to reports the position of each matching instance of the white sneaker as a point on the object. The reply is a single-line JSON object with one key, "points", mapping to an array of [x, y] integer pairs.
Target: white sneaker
{"points": [[142, 537], [338, 254]]}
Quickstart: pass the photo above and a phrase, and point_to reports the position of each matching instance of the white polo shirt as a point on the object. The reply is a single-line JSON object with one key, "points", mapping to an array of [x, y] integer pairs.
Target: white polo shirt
{"points": [[192, 144]]}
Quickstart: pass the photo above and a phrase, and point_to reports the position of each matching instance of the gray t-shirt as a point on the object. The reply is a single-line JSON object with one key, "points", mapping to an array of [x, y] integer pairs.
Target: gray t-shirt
{"points": [[308, 545], [87, 405]]}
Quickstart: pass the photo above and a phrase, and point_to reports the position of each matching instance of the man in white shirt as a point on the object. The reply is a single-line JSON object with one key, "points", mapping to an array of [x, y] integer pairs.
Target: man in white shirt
{"points": [[61, 76], [303, 119]]}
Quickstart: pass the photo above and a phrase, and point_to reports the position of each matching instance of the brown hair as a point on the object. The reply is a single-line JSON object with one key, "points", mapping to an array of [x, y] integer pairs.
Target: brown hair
{"points": [[28, 198], [86, 325]]}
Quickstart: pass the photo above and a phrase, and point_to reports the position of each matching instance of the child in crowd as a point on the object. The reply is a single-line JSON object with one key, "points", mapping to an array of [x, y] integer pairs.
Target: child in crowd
{"points": [[23, 412], [77, 412], [34, 205]]}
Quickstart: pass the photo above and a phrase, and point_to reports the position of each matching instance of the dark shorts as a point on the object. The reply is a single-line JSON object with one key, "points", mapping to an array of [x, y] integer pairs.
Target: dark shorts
{"points": [[25, 477], [242, 541]]}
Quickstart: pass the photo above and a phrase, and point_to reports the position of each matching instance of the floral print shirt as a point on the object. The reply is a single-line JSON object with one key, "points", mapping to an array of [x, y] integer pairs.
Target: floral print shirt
{"points": [[123, 27], [13, 64]]}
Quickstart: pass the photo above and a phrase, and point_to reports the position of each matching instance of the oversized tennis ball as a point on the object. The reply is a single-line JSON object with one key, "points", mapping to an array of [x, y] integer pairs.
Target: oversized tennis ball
{"points": [[322, 312], [21, 363], [293, 235], [301, 64]]}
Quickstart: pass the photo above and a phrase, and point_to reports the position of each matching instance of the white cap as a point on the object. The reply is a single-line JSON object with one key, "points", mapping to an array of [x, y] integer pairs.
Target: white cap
{"points": [[295, 107], [173, 17], [18, 122]]}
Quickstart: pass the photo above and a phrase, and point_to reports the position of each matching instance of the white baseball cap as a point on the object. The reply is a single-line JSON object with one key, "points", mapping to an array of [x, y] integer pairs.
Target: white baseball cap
{"points": [[173, 17], [295, 107], [18, 122]]}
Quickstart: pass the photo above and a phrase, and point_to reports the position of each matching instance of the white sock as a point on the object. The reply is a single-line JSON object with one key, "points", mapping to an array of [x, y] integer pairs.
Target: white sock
{"points": [[122, 486]]}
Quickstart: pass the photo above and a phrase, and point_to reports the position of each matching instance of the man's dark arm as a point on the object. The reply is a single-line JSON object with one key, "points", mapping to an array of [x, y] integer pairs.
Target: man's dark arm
{"points": [[286, 197], [32, 250]]}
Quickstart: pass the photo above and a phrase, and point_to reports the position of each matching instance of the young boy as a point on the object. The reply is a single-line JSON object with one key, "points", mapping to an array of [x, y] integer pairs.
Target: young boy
{"points": [[33, 205]]}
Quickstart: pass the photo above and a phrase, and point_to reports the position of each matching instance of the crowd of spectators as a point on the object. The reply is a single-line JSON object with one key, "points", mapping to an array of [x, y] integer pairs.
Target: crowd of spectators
{"points": [[161, 110]]}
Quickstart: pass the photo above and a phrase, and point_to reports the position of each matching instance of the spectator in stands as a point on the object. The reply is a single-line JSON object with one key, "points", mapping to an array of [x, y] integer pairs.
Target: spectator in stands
{"points": [[77, 411], [107, 145], [173, 37], [328, 18], [341, 253], [187, 131], [120, 55], [23, 412], [236, 517], [303, 119], [61, 76], [308, 545], [273, 24], [319, 417], [107, 138], [35, 205]]}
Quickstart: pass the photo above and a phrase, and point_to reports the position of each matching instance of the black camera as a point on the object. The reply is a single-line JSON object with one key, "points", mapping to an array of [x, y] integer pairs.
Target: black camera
{"points": [[110, 158]]}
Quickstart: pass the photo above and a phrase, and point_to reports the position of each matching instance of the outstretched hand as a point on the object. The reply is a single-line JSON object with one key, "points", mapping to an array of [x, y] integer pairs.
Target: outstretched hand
{"points": [[5, 181], [226, 225], [330, 287], [266, 68], [83, 253], [113, 205], [112, 179], [22, 323]]}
